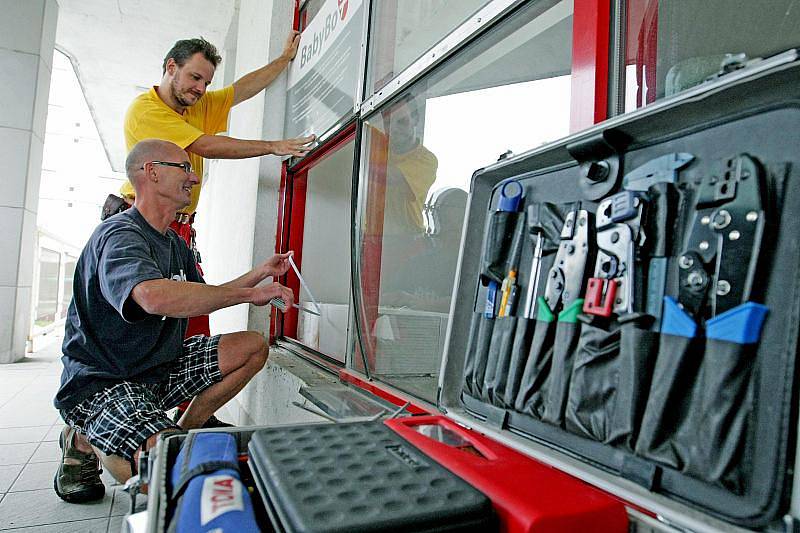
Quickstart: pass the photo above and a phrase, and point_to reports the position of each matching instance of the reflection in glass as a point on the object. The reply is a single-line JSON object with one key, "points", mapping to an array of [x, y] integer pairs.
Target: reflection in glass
{"points": [[673, 45], [405, 30], [419, 155], [325, 263], [47, 301]]}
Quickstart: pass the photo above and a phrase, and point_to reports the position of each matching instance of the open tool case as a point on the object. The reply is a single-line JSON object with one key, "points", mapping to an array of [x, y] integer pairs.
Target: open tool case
{"points": [[628, 302]]}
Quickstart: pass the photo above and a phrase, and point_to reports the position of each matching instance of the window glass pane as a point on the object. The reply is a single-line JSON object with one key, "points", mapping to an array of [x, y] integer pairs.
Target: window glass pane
{"points": [[675, 44], [325, 262], [509, 90], [402, 31], [47, 303], [323, 78]]}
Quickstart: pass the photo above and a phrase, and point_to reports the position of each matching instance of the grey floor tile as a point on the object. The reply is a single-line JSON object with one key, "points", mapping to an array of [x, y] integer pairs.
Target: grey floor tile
{"points": [[44, 507], [97, 525], [47, 451], [115, 524], [35, 476], [7, 476], [54, 431], [122, 502], [16, 454], [13, 416], [24, 434]]}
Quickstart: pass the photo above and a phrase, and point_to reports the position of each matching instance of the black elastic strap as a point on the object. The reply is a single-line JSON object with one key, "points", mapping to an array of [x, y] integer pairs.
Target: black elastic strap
{"points": [[199, 470]]}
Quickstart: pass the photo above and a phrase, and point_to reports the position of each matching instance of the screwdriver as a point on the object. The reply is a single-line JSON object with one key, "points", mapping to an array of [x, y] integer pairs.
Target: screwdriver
{"points": [[536, 233], [509, 287], [510, 197]]}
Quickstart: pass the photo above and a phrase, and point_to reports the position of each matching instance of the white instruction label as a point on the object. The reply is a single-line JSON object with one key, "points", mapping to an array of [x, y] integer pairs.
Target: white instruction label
{"points": [[220, 494]]}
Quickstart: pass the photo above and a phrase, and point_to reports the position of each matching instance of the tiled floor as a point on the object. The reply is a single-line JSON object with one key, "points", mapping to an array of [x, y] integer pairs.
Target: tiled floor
{"points": [[29, 454]]}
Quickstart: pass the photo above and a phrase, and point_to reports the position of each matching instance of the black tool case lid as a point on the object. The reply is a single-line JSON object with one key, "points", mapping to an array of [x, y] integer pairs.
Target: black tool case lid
{"points": [[755, 110], [360, 476]]}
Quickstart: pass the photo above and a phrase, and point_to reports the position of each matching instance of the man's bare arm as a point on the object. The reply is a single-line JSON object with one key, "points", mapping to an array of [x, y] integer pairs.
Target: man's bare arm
{"points": [[253, 83], [277, 265], [182, 299], [222, 147]]}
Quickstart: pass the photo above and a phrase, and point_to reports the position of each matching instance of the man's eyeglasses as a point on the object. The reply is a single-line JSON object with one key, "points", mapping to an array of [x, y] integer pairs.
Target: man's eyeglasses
{"points": [[186, 166]]}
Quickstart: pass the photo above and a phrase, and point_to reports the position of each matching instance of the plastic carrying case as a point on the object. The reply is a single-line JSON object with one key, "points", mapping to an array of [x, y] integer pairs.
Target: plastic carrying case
{"points": [[628, 301]]}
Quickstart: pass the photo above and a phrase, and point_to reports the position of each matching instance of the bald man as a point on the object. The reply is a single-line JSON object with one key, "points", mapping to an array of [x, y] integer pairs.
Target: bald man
{"points": [[125, 359]]}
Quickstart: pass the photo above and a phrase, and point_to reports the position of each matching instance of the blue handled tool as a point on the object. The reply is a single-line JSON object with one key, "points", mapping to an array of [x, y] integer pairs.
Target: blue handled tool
{"points": [[718, 263], [510, 198]]}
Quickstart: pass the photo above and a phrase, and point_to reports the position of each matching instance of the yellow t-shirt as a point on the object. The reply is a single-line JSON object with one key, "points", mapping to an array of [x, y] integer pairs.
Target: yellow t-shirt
{"points": [[148, 117], [405, 200]]}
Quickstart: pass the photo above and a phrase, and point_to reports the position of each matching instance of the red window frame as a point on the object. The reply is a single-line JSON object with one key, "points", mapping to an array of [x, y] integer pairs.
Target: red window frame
{"points": [[591, 23]]}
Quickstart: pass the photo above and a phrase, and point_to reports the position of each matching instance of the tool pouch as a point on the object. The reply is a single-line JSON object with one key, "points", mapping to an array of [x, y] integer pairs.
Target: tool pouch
{"points": [[498, 248], [520, 350], [500, 350], [480, 335], [530, 398], [610, 379], [668, 400], [713, 436], [565, 345], [206, 489]]}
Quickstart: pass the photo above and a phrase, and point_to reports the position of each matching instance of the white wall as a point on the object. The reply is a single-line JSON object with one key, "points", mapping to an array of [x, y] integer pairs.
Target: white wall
{"points": [[269, 174]]}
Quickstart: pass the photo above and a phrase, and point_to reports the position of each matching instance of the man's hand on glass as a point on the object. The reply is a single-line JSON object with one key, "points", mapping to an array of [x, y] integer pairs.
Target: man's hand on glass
{"points": [[297, 147]]}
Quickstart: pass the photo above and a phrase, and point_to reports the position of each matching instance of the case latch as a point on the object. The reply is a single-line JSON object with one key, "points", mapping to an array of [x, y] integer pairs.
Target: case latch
{"points": [[600, 162]]}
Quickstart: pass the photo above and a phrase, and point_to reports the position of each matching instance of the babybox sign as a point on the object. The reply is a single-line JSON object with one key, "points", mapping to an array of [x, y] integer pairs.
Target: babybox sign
{"points": [[323, 76]]}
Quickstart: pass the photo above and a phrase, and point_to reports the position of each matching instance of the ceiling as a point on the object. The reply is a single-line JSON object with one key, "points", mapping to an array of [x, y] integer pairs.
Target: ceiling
{"points": [[117, 47]]}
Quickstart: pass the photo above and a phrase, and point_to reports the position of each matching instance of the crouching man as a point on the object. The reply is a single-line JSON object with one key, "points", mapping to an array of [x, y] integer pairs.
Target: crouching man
{"points": [[125, 360]]}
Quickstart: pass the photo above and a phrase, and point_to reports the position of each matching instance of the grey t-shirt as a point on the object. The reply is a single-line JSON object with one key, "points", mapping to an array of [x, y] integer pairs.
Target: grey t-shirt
{"points": [[108, 337]]}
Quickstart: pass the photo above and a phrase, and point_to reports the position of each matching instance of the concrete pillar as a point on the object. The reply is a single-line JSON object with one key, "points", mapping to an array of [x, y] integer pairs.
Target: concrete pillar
{"points": [[27, 37], [280, 20]]}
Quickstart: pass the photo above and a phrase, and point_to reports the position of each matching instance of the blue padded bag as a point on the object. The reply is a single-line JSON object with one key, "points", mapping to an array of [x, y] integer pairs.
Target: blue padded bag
{"points": [[207, 488]]}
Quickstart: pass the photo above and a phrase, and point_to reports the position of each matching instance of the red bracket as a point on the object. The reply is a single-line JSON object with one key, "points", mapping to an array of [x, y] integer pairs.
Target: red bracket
{"points": [[600, 296]]}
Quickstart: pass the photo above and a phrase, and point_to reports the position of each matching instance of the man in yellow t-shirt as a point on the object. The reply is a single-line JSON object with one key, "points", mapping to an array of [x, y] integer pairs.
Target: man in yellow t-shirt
{"points": [[181, 111]]}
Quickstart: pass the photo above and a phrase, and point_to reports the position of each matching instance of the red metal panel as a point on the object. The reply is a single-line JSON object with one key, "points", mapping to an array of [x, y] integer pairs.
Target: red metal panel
{"points": [[590, 50], [528, 496], [281, 240], [297, 219]]}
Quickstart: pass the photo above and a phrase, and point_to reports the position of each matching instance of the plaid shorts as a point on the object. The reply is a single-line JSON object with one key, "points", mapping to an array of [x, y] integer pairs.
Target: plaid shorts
{"points": [[117, 420]]}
